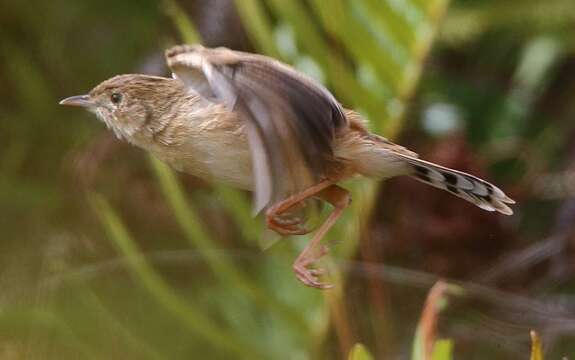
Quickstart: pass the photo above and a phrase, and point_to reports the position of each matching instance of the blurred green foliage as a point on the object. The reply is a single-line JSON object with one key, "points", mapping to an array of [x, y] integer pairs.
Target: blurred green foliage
{"points": [[108, 255]]}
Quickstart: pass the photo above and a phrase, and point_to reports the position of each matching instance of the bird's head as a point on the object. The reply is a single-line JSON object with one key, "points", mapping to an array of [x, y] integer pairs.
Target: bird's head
{"points": [[130, 103]]}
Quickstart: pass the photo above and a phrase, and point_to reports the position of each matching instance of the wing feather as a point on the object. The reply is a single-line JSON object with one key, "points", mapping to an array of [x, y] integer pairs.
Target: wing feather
{"points": [[292, 119]]}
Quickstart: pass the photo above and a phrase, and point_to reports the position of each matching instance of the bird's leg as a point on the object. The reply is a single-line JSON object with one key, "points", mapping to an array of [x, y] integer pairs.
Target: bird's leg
{"points": [[340, 199], [279, 224]]}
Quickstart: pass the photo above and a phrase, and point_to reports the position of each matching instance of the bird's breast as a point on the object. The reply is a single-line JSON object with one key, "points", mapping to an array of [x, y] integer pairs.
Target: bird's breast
{"points": [[214, 148]]}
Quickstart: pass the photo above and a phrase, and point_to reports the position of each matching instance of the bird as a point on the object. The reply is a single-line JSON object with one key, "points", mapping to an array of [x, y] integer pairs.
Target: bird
{"points": [[255, 123]]}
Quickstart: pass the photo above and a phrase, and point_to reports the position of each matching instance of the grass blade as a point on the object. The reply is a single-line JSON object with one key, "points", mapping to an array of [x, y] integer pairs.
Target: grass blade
{"points": [[536, 348], [425, 346], [186, 312], [258, 26], [199, 238], [185, 27]]}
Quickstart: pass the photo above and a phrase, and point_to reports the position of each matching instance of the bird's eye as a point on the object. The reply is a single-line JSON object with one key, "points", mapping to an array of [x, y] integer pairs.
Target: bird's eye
{"points": [[116, 98]]}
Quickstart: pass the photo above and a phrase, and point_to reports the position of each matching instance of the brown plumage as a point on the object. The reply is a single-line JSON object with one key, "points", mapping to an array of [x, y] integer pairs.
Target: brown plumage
{"points": [[257, 124]]}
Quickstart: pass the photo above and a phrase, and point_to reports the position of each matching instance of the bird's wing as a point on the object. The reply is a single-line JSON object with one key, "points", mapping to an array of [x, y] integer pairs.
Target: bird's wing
{"points": [[291, 120]]}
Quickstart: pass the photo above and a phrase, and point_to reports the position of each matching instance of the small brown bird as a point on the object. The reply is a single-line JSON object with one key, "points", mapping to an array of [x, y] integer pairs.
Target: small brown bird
{"points": [[257, 124]]}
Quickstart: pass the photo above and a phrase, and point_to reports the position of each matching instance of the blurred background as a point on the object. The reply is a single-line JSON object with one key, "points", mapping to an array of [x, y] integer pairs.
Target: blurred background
{"points": [[106, 253]]}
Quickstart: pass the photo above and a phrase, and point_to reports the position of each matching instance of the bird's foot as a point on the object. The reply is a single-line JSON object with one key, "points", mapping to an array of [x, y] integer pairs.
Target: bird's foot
{"points": [[286, 224], [310, 276]]}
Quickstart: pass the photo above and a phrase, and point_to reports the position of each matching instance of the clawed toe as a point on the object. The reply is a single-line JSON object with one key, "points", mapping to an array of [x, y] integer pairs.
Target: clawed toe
{"points": [[287, 220], [310, 277], [287, 225], [317, 272]]}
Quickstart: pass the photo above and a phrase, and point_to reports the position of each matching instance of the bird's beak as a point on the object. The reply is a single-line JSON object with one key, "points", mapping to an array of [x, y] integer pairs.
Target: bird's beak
{"points": [[78, 100]]}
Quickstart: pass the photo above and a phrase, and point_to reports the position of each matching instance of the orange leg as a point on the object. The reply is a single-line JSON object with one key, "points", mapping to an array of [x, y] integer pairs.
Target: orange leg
{"points": [[340, 199], [274, 214]]}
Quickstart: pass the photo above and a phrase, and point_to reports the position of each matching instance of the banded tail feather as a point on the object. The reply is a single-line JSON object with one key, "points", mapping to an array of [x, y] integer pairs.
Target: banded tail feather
{"points": [[483, 194]]}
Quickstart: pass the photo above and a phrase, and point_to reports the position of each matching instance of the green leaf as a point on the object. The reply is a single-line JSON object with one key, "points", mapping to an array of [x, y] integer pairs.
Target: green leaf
{"points": [[359, 352], [443, 350]]}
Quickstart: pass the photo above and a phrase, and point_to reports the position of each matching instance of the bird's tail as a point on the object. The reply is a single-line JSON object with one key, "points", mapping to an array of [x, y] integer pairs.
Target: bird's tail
{"points": [[483, 194]]}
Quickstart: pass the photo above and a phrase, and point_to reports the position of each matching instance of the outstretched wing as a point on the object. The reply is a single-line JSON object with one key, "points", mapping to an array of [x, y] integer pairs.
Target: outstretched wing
{"points": [[291, 120]]}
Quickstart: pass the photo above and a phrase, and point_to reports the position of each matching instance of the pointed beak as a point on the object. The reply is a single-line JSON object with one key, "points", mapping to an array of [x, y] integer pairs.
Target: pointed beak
{"points": [[78, 100]]}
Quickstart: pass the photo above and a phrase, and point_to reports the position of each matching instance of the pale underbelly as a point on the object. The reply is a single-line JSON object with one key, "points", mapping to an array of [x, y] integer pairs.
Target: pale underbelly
{"points": [[226, 161]]}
